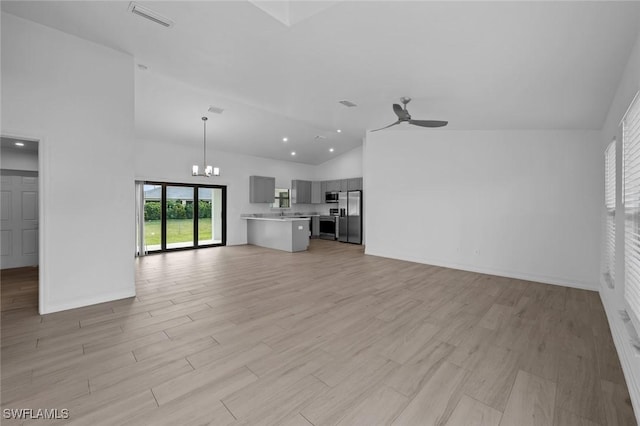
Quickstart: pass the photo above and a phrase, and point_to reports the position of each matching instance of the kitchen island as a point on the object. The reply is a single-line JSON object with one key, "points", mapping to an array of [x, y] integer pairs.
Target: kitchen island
{"points": [[281, 233]]}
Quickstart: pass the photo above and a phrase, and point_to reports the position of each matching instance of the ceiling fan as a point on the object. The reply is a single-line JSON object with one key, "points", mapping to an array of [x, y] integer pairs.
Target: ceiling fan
{"points": [[404, 116]]}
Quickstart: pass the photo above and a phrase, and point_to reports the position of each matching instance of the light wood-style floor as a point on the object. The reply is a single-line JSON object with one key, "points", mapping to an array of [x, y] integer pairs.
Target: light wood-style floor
{"points": [[250, 336], [19, 289]]}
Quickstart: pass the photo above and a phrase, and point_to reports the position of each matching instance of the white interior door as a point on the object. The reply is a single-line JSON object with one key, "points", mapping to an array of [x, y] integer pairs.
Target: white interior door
{"points": [[19, 221]]}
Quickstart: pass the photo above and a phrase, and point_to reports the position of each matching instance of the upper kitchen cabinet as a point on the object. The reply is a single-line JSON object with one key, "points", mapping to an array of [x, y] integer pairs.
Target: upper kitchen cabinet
{"points": [[333, 185], [354, 184], [341, 185], [262, 189], [317, 194], [301, 191]]}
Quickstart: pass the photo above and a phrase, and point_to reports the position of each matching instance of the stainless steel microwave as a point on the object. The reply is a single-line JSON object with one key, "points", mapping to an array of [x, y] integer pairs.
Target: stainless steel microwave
{"points": [[331, 197]]}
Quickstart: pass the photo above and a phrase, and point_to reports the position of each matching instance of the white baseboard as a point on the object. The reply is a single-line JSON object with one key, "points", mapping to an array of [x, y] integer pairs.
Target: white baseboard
{"points": [[629, 360], [49, 309], [565, 282]]}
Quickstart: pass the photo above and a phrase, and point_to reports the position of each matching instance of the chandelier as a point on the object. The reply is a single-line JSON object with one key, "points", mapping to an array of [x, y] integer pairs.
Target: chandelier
{"points": [[208, 170]]}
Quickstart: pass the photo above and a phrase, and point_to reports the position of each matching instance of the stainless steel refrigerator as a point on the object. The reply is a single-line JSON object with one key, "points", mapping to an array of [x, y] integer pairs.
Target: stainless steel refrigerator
{"points": [[350, 220]]}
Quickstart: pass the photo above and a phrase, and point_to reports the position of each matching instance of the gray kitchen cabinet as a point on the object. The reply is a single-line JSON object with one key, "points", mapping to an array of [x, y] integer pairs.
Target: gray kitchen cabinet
{"points": [[262, 189], [334, 186], [344, 185], [301, 191], [354, 184], [323, 188], [317, 195], [315, 226]]}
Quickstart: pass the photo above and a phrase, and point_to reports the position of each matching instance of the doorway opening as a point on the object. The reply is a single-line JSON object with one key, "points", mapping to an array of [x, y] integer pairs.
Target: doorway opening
{"points": [[177, 216], [19, 224]]}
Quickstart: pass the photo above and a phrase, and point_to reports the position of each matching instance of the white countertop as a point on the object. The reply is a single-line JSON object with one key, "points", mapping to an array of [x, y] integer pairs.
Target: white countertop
{"points": [[278, 219]]}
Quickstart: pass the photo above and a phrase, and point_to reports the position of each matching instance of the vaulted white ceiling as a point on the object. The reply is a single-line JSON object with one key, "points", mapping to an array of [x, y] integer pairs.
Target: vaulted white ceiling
{"points": [[280, 69]]}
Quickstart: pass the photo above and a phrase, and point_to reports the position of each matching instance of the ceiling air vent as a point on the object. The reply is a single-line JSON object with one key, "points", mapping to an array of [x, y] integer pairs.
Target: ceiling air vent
{"points": [[149, 14], [348, 104], [215, 110]]}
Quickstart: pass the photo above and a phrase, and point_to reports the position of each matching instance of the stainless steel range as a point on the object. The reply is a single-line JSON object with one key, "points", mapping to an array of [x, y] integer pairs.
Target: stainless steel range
{"points": [[329, 225]]}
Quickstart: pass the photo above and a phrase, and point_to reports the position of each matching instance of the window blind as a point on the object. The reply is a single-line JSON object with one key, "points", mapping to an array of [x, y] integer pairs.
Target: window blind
{"points": [[631, 171], [610, 223], [610, 249], [610, 177]]}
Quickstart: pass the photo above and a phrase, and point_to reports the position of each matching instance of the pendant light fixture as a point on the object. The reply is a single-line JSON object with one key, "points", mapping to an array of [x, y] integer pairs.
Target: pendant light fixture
{"points": [[208, 170]]}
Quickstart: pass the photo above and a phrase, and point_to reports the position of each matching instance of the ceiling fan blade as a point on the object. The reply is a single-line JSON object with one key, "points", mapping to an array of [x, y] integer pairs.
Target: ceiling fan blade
{"points": [[397, 122], [428, 123], [400, 112]]}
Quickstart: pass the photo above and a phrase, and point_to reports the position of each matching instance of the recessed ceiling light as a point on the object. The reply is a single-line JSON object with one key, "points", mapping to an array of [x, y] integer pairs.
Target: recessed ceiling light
{"points": [[293, 153], [19, 143], [285, 139], [339, 131], [330, 149]]}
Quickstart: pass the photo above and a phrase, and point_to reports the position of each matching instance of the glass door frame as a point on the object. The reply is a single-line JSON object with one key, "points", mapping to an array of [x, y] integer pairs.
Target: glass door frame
{"points": [[163, 220]]}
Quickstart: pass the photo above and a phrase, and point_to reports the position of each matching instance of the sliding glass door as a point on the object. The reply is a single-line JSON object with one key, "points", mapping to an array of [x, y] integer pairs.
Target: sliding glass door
{"points": [[179, 214], [183, 216], [152, 208], [209, 216]]}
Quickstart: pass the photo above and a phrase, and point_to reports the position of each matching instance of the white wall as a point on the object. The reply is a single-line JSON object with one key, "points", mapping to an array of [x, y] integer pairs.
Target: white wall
{"points": [[613, 299], [19, 159], [521, 204], [347, 165], [76, 97], [167, 162]]}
